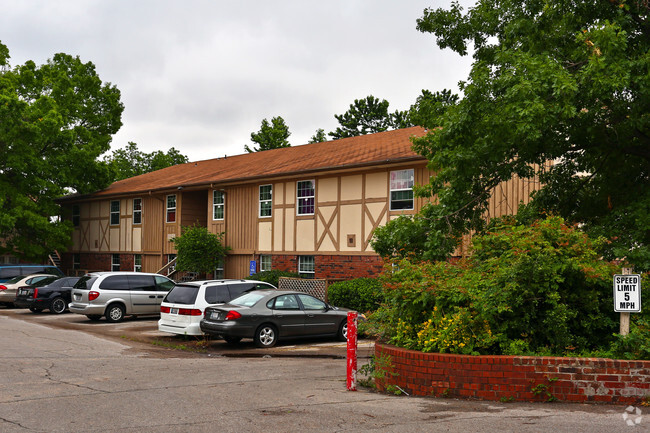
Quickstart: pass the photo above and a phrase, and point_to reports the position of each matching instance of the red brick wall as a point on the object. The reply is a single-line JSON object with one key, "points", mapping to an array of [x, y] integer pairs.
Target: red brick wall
{"points": [[335, 267], [515, 377]]}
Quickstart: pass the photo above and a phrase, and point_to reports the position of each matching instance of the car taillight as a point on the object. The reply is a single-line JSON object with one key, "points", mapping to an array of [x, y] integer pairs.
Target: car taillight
{"points": [[3, 287], [165, 309], [232, 315], [190, 312], [92, 295], [35, 292]]}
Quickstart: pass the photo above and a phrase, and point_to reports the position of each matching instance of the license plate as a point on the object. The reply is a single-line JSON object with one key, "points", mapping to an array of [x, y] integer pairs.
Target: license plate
{"points": [[174, 311], [214, 315]]}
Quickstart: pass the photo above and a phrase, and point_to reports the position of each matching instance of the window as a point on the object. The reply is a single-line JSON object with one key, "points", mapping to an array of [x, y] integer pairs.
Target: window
{"points": [[266, 200], [137, 263], [115, 212], [137, 211], [311, 303], [76, 215], [218, 272], [306, 191], [171, 208], [306, 266], [217, 205], [265, 263], [115, 262], [401, 189], [76, 261]]}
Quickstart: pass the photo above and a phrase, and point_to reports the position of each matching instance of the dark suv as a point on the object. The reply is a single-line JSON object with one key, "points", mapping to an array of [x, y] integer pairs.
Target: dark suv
{"points": [[10, 271]]}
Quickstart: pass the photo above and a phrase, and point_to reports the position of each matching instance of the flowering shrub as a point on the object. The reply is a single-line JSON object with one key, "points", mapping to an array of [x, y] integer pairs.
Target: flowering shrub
{"points": [[531, 289]]}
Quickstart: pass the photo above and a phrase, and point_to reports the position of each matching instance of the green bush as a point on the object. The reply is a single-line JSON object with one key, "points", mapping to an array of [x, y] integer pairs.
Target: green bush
{"points": [[360, 294], [273, 276], [526, 289]]}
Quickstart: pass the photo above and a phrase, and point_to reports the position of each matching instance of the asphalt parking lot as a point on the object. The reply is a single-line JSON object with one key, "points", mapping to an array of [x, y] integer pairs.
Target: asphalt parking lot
{"points": [[142, 333]]}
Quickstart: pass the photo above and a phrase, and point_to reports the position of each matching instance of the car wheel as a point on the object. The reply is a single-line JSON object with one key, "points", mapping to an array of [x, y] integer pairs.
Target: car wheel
{"points": [[57, 306], [232, 340], [266, 336], [115, 313], [35, 310], [94, 317], [343, 331]]}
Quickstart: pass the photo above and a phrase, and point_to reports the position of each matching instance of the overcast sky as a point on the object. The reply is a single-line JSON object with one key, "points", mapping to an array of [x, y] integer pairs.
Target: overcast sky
{"points": [[200, 75]]}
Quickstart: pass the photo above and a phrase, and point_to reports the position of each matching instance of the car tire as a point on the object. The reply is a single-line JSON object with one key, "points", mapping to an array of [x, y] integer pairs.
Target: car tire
{"points": [[57, 305], [232, 340], [94, 317], [266, 336], [115, 313], [342, 335], [35, 310]]}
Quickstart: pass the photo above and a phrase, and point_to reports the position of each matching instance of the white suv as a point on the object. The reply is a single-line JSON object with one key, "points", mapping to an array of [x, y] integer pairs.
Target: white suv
{"points": [[182, 309], [119, 294]]}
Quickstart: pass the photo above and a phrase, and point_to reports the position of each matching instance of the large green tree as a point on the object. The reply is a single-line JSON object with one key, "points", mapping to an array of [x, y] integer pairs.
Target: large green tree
{"points": [[564, 82], [273, 135], [56, 119], [130, 161], [367, 116]]}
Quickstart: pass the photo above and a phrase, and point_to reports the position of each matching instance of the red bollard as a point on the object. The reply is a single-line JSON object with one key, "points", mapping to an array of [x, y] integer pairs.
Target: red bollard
{"points": [[352, 351]]}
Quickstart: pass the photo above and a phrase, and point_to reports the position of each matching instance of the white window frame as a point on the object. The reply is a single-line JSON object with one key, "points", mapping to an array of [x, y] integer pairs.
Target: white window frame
{"points": [[137, 212], [266, 263], [216, 205], [266, 200], [402, 183], [137, 267], [218, 273], [76, 261], [114, 212], [307, 269], [115, 262], [305, 197], [170, 208]]}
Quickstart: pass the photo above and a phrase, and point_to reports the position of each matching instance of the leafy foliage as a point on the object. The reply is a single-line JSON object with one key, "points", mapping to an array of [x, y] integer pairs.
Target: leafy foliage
{"points": [[57, 119], [199, 250], [129, 162], [527, 289], [318, 137], [272, 135], [367, 116], [430, 107], [360, 294], [556, 81], [273, 276]]}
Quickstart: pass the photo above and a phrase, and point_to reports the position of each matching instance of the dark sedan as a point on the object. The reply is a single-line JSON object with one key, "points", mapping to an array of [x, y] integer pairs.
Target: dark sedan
{"points": [[268, 315], [50, 294]]}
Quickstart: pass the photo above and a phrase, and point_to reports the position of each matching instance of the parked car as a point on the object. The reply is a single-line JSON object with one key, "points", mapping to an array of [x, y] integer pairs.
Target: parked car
{"points": [[11, 271], [46, 294], [269, 315], [182, 309], [9, 288], [118, 294]]}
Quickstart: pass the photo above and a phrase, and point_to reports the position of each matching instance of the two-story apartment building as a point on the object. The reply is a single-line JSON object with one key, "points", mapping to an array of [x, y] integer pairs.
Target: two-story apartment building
{"points": [[310, 209]]}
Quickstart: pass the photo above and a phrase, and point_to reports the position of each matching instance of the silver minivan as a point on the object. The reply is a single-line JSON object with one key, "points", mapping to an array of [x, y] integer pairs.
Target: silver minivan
{"points": [[118, 294]]}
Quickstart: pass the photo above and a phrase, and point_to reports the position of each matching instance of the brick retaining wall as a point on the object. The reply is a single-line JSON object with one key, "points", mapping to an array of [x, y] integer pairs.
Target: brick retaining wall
{"points": [[515, 377]]}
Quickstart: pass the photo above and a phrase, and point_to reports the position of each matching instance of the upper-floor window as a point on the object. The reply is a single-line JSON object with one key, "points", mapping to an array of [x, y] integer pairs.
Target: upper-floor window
{"points": [[218, 204], [306, 266], [171, 208], [115, 212], [266, 200], [76, 215], [306, 194], [137, 211], [401, 189]]}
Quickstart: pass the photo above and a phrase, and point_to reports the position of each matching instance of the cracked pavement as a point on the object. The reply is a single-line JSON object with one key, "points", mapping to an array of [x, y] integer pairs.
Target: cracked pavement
{"points": [[73, 380]]}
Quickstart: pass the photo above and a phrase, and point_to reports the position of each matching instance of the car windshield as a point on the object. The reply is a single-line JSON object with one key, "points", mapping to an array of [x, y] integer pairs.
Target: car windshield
{"points": [[15, 279], [247, 300], [181, 294]]}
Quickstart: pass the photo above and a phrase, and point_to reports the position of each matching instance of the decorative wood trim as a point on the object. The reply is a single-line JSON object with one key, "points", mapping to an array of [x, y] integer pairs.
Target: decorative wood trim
{"points": [[375, 224], [326, 230]]}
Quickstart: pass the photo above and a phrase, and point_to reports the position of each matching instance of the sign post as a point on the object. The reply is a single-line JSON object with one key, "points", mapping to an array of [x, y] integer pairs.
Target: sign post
{"points": [[252, 267], [627, 297], [352, 351]]}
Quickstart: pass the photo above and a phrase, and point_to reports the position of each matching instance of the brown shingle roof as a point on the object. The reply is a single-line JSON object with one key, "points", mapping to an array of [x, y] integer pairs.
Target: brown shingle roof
{"points": [[380, 148]]}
